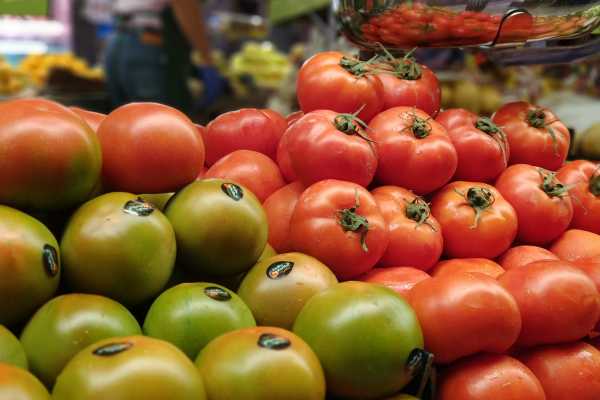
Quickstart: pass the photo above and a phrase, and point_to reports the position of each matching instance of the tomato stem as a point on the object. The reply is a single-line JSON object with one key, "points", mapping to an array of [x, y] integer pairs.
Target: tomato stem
{"points": [[356, 67], [421, 127], [550, 185], [537, 119], [350, 221], [480, 199], [486, 125], [420, 366], [403, 68], [350, 124], [418, 210]]}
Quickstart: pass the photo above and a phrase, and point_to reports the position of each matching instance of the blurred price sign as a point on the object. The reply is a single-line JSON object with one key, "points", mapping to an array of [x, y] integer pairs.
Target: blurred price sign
{"points": [[281, 10], [24, 7]]}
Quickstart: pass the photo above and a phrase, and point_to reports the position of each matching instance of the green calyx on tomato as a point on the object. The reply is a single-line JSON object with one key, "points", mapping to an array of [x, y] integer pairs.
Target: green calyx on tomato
{"points": [[356, 67], [550, 185], [418, 210], [486, 125], [420, 127], [403, 68], [537, 119], [350, 221], [480, 199], [350, 124]]}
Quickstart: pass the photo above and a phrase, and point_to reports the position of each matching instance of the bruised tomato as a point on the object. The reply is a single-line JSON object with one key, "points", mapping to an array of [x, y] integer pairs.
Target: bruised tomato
{"points": [[400, 279], [583, 179], [481, 265], [93, 119], [279, 208], [519, 256], [575, 244]]}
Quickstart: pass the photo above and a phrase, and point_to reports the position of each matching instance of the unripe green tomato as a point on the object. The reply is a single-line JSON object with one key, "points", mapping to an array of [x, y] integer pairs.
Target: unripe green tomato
{"points": [[190, 315], [267, 252], [66, 325], [18, 384], [11, 350]]}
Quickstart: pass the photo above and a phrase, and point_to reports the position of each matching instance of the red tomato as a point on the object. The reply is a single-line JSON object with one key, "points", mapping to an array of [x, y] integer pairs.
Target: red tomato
{"points": [[575, 244], [463, 314], [340, 224], [93, 119], [481, 146], [567, 372], [535, 135], [558, 302], [489, 377], [149, 148], [293, 117], [415, 236], [400, 279], [583, 179], [284, 160], [476, 220], [245, 129], [279, 207], [49, 158], [415, 152], [591, 267], [481, 265], [327, 145], [519, 256], [332, 81], [251, 169], [541, 201]]}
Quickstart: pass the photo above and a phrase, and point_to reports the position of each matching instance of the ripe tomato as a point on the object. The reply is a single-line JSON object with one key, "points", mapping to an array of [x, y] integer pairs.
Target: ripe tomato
{"points": [[463, 314], [476, 220], [591, 267], [566, 372], [251, 169], [149, 148], [535, 135], [93, 119], [481, 146], [481, 265], [400, 279], [415, 236], [327, 145], [332, 81], [245, 129], [284, 160], [293, 117], [542, 202], [583, 178], [279, 207], [340, 224], [415, 152], [558, 302], [575, 244], [519, 256], [490, 376]]}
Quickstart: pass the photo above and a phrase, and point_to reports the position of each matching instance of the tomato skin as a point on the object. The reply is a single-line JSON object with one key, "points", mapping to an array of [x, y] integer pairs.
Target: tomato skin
{"points": [[583, 177], [251, 169], [489, 237], [411, 243], [591, 267], [319, 149], [481, 156], [149, 148], [245, 129], [519, 256], [93, 119], [566, 372], [18, 383], [471, 265], [575, 244], [531, 145], [293, 117], [323, 84], [11, 350], [558, 302], [316, 230], [490, 376], [399, 279], [279, 207], [542, 217], [284, 160], [426, 163], [465, 313]]}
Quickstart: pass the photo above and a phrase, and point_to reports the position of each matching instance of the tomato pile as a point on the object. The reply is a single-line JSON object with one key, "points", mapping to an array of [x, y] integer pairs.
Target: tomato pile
{"points": [[369, 246]]}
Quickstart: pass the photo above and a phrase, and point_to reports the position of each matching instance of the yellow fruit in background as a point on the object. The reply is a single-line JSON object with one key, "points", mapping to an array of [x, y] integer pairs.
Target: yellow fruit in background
{"points": [[588, 143], [466, 95], [490, 99], [446, 96]]}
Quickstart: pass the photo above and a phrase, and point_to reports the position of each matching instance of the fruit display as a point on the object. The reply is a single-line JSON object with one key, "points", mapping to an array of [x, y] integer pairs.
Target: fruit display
{"points": [[38, 67], [373, 245]]}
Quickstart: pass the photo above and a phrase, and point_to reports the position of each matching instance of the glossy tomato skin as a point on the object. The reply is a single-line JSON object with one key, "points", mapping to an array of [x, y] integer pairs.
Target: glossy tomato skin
{"points": [[583, 177], [284, 160], [576, 244], [18, 383], [530, 144], [482, 155], [326, 145], [279, 207], [93, 119], [50, 158], [567, 371], [490, 376], [591, 267], [465, 235], [558, 302], [543, 216], [245, 129], [415, 236], [399, 279], [480, 265], [323, 84], [293, 117], [11, 350], [320, 227], [149, 148], [414, 150], [519, 256], [465, 313]]}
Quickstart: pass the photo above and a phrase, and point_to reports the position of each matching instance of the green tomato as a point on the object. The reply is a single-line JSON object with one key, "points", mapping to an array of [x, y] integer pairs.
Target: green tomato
{"points": [[133, 367], [119, 246], [18, 384], [11, 350], [221, 227], [261, 363], [364, 335], [190, 315], [267, 252], [29, 266], [277, 288], [66, 325]]}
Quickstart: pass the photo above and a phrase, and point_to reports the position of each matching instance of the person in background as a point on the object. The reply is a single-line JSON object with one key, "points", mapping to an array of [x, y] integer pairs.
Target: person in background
{"points": [[149, 57]]}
